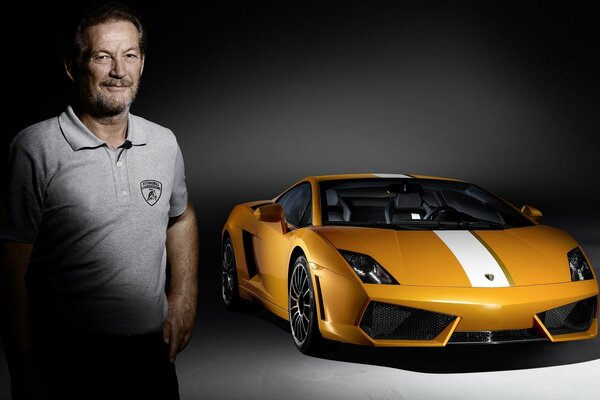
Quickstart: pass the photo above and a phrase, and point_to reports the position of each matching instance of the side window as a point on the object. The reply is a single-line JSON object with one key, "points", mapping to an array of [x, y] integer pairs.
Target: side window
{"points": [[296, 204], [307, 217]]}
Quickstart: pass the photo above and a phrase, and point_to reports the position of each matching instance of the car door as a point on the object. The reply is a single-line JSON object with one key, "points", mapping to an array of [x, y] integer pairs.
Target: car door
{"points": [[272, 245]]}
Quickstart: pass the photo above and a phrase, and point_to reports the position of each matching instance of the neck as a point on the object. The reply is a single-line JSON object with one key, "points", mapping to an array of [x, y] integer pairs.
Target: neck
{"points": [[110, 129]]}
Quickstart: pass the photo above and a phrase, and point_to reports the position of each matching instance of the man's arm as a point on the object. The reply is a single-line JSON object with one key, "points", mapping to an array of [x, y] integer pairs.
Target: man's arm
{"points": [[182, 253], [14, 317]]}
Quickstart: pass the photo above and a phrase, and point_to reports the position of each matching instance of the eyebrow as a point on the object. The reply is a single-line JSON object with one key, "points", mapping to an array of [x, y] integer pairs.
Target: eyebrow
{"points": [[100, 50]]}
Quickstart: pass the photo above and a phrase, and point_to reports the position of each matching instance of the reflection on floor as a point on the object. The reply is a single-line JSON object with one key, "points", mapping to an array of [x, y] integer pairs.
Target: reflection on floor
{"points": [[252, 356]]}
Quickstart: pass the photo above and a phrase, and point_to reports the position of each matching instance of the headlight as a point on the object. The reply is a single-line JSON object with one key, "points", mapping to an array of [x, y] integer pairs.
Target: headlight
{"points": [[580, 269], [367, 269]]}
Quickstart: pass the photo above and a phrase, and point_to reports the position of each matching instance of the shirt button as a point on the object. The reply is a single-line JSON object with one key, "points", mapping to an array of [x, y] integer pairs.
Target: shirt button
{"points": [[119, 163], [124, 193]]}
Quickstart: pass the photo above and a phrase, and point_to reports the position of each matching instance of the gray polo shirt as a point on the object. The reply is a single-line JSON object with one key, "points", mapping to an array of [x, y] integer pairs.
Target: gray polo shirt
{"points": [[97, 218]]}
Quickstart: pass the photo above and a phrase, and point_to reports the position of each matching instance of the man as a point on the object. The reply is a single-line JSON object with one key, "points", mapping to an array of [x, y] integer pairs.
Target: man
{"points": [[99, 241]]}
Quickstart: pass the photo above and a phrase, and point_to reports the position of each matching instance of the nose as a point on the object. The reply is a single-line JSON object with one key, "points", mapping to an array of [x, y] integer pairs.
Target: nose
{"points": [[118, 68]]}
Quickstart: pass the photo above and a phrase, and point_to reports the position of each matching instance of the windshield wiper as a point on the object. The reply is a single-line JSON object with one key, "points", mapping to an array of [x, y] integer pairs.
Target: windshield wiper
{"points": [[479, 224], [387, 226], [483, 224], [426, 224]]}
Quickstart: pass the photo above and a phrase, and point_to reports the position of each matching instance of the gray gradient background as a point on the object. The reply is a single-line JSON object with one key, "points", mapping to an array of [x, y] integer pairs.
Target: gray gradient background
{"points": [[263, 93]]}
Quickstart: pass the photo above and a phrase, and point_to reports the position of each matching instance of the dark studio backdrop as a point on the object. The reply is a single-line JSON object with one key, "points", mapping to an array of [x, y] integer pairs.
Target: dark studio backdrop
{"points": [[263, 93]]}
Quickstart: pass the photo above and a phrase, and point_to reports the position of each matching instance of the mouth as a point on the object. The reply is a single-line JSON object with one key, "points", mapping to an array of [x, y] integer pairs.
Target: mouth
{"points": [[117, 83], [116, 88]]}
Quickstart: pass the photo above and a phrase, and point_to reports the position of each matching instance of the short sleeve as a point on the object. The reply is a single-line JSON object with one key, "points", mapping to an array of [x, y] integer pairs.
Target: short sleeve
{"points": [[21, 207], [179, 196]]}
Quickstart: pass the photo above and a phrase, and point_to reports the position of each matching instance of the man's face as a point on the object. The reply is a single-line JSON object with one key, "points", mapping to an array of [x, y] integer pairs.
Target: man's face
{"points": [[110, 76]]}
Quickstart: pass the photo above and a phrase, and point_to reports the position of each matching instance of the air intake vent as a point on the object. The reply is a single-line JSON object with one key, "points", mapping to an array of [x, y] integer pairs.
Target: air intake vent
{"points": [[570, 318], [393, 322]]}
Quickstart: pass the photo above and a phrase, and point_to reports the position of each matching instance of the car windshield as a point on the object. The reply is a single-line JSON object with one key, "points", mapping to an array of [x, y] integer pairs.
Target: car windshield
{"points": [[415, 204]]}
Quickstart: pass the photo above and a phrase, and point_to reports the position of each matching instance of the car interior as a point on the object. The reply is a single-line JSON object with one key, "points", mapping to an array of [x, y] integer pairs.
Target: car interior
{"points": [[375, 205], [401, 202], [338, 208]]}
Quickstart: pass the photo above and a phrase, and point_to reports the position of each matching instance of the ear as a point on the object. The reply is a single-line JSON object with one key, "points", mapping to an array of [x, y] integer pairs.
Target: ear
{"points": [[142, 66], [69, 69]]}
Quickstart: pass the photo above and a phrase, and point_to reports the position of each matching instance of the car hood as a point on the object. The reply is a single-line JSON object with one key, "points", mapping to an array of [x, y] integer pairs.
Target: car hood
{"points": [[532, 255]]}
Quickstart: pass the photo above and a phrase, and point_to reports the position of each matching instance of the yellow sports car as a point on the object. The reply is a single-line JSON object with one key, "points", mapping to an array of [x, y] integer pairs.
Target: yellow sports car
{"points": [[406, 260]]}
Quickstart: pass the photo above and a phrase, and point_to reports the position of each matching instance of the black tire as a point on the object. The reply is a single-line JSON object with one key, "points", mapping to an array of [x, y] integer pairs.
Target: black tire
{"points": [[230, 292], [303, 312]]}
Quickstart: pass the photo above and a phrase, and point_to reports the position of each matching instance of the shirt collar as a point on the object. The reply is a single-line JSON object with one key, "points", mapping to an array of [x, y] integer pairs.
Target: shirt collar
{"points": [[80, 137]]}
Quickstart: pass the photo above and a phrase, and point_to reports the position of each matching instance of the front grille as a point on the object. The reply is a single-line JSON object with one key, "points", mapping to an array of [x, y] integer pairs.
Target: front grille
{"points": [[570, 318], [392, 322], [515, 335]]}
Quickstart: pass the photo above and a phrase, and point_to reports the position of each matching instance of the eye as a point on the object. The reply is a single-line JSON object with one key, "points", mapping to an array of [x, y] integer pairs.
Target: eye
{"points": [[131, 57], [102, 59]]}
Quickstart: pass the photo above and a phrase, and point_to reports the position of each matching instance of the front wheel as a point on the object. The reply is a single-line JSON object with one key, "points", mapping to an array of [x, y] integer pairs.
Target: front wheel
{"points": [[229, 280], [302, 310]]}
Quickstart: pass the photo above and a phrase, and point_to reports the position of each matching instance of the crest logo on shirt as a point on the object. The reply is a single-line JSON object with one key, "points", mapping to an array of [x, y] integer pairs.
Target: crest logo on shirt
{"points": [[151, 191]]}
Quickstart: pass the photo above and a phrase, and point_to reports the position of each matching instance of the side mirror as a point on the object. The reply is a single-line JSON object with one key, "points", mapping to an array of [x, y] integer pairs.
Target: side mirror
{"points": [[531, 212], [271, 213]]}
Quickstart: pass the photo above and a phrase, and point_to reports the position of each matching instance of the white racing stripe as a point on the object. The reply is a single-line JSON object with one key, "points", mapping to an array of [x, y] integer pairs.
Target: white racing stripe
{"points": [[475, 259], [392, 176]]}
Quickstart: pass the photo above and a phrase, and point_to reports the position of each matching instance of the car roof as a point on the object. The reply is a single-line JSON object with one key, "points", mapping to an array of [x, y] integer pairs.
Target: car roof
{"points": [[321, 178]]}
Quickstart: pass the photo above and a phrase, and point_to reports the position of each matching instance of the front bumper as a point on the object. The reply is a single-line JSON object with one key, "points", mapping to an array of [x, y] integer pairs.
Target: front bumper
{"points": [[399, 315]]}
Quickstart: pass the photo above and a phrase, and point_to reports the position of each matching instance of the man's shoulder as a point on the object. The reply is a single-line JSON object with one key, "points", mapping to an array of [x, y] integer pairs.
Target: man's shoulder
{"points": [[37, 134], [152, 129]]}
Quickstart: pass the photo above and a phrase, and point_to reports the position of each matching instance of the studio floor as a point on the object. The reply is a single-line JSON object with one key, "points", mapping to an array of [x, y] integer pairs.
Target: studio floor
{"points": [[250, 355]]}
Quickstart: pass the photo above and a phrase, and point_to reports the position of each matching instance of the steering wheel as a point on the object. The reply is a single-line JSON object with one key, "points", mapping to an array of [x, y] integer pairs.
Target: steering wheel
{"points": [[433, 214]]}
